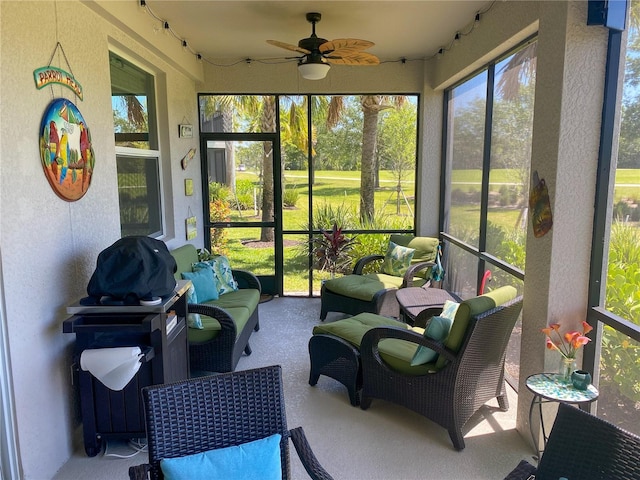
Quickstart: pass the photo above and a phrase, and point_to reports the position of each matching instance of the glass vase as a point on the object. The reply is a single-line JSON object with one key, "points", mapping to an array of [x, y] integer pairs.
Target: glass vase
{"points": [[566, 368]]}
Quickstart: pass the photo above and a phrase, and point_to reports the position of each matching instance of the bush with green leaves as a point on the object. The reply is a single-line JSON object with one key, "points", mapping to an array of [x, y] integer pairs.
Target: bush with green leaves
{"points": [[219, 191], [290, 196], [620, 357]]}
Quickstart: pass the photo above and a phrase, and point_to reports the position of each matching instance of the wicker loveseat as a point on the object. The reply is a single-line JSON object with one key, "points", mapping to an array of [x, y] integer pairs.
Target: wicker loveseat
{"points": [[227, 322]]}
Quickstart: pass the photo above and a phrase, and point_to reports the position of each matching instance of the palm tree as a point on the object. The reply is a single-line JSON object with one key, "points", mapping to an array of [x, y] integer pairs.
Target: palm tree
{"points": [[371, 105]]}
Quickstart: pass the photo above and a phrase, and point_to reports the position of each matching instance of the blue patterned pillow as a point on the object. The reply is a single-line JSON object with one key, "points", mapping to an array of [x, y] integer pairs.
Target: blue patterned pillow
{"points": [[193, 319], [222, 271], [257, 460], [397, 260]]}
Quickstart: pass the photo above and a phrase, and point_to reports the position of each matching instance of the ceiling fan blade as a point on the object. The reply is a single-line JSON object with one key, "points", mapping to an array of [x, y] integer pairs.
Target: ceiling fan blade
{"points": [[353, 58], [350, 43], [288, 46]]}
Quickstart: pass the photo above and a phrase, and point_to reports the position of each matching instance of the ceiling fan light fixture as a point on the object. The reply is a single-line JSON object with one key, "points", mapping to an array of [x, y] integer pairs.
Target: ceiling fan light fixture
{"points": [[313, 70]]}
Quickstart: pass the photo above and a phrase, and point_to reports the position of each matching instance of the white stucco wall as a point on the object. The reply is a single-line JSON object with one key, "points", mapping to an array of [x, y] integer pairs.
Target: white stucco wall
{"points": [[49, 246]]}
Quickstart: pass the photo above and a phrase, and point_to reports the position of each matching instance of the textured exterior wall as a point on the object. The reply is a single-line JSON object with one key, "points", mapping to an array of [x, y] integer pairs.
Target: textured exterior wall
{"points": [[49, 246]]}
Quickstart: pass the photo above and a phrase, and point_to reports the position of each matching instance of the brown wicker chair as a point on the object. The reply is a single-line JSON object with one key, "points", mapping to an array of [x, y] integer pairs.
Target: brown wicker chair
{"points": [[582, 445], [452, 394], [219, 411]]}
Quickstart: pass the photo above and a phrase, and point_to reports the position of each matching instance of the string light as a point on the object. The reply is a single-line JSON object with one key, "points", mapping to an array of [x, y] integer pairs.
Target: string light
{"points": [[199, 58], [459, 34]]}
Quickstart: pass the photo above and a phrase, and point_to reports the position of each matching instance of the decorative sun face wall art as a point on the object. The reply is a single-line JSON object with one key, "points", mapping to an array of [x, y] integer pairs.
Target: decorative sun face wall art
{"points": [[65, 150]]}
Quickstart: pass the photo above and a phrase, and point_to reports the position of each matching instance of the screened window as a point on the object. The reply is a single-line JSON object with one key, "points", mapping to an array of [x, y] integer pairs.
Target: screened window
{"points": [[137, 155], [487, 165], [619, 362]]}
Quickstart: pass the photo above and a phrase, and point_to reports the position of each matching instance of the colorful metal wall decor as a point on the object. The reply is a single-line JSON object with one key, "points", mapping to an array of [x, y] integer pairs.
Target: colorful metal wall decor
{"points": [[65, 150]]}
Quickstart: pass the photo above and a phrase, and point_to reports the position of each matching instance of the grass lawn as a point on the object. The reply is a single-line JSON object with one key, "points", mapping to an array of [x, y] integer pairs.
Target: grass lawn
{"points": [[338, 188]]}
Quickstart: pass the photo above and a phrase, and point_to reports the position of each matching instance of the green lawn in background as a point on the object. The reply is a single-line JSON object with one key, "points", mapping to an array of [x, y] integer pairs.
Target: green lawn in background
{"points": [[337, 188]]}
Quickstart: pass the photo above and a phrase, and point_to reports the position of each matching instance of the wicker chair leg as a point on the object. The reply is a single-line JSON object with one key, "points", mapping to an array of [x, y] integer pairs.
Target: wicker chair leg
{"points": [[365, 402], [247, 349], [456, 439], [503, 402]]}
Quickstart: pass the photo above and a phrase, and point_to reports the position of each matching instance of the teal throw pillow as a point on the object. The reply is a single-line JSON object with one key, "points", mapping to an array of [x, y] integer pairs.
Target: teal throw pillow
{"points": [[257, 460], [193, 319], [397, 260], [437, 329], [222, 271], [204, 283]]}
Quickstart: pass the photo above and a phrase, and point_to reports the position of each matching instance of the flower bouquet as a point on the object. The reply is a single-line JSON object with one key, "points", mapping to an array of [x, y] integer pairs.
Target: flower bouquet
{"points": [[568, 346]]}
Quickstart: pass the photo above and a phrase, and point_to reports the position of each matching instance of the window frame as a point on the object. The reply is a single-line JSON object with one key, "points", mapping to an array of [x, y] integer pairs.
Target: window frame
{"points": [[152, 137]]}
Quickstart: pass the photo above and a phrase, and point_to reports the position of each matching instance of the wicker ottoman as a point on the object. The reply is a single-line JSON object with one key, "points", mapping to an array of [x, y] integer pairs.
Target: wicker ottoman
{"points": [[334, 350]]}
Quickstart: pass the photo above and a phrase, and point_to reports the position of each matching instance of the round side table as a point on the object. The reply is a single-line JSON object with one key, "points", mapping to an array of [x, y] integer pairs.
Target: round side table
{"points": [[546, 388]]}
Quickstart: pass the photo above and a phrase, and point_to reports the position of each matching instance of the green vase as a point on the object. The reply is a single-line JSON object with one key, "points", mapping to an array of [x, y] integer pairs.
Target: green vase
{"points": [[566, 368]]}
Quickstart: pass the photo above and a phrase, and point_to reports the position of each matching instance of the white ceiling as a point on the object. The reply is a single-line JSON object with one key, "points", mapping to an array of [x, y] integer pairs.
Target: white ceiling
{"points": [[235, 30]]}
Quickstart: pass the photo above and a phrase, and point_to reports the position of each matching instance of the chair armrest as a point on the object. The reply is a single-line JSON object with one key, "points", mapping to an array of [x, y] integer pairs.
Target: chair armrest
{"points": [[246, 279], [227, 323], [411, 273], [370, 340], [523, 471], [139, 472], [364, 261], [308, 459]]}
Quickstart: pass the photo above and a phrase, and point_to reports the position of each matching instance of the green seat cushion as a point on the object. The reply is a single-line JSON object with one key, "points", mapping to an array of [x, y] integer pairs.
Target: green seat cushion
{"points": [[239, 304], [425, 248], [470, 308], [245, 297], [364, 287], [352, 329], [396, 353]]}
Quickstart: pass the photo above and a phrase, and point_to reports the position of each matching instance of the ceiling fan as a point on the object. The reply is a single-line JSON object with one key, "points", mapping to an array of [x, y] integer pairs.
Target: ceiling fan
{"points": [[319, 53]]}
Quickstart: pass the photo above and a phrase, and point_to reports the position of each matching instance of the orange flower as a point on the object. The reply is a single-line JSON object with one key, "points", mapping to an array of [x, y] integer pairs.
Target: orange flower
{"points": [[569, 344]]}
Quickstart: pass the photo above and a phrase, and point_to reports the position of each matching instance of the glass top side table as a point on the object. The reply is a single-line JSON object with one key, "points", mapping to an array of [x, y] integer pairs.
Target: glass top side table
{"points": [[546, 388]]}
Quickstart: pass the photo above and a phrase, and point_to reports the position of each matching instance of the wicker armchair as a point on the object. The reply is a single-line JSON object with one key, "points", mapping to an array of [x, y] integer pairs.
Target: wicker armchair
{"points": [[582, 445], [452, 394], [218, 411], [376, 292]]}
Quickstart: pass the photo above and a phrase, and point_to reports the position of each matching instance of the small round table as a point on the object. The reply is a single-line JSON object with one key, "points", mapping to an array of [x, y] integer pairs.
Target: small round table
{"points": [[546, 388]]}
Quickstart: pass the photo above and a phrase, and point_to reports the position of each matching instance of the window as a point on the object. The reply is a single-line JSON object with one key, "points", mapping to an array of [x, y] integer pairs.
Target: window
{"points": [[488, 160], [137, 155], [617, 306]]}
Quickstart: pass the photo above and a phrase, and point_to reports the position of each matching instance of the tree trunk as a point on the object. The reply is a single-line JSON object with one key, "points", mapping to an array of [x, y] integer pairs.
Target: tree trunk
{"points": [[268, 125], [370, 108]]}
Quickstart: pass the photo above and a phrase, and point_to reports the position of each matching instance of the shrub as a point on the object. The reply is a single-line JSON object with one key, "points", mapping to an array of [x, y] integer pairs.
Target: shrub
{"points": [[290, 196], [325, 215], [219, 191], [620, 358]]}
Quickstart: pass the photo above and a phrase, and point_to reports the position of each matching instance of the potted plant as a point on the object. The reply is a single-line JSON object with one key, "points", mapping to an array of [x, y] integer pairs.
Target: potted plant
{"points": [[331, 250]]}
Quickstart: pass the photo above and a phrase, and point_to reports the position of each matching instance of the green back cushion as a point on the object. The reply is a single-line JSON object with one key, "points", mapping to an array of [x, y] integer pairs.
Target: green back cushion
{"points": [[425, 249], [470, 308], [185, 256]]}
